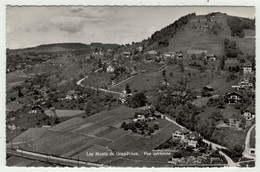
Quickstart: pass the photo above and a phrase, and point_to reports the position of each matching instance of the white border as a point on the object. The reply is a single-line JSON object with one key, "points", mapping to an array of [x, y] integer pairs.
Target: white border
{"points": [[3, 3]]}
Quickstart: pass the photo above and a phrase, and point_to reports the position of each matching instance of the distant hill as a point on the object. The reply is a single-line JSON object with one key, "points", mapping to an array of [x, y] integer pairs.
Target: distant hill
{"points": [[64, 47], [194, 34]]}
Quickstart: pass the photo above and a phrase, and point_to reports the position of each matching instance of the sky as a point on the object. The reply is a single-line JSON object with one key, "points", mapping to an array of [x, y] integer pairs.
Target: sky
{"points": [[32, 26]]}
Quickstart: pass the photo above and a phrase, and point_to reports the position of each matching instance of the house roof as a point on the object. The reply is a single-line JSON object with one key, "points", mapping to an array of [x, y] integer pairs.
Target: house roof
{"points": [[234, 93], [182, 130], [194, 136]]}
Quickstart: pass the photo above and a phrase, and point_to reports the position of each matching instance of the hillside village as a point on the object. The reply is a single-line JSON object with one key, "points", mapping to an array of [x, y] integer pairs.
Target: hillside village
{"points": [[191, 98]]}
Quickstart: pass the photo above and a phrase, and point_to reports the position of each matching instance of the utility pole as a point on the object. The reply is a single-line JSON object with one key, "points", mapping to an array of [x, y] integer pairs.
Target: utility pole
{"points": [[78, 160]]}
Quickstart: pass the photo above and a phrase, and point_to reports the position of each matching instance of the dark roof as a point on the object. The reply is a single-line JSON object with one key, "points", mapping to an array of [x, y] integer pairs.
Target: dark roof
{"points": [[234, 93]]}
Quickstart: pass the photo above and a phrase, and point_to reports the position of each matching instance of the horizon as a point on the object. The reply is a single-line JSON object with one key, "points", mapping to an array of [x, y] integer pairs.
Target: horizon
{"points": [[86, 25]]}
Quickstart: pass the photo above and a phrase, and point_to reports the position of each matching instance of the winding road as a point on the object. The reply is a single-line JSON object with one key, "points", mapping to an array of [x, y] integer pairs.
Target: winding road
{"points": [[246, 152]]}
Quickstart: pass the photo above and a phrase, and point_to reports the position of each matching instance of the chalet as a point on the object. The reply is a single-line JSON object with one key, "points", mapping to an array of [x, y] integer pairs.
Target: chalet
{"points": [[36, 109], [152, 52], [110, 69], [208, 88], [245, 84], [234, 97], [180, 134], [193, 138], [211, 57], [233, 123], [140, 49], [179, 94], [247, 69], [168, 55], [249, 114], [141, 117], [127, 54], [72, 95]]}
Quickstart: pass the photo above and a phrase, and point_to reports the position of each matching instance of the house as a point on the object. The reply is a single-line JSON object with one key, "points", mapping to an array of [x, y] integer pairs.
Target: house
{"points": [[140, 49], [36, 109], [179, 134], [211, 57], [152, 52], [193, 138], [245, 84], [141, 117], [234, 97], [179, 94], [168, 55], [249, 114], [208, 88], [72, 95], [110, 69], [233, 123], [247, 69], [127, 54]]}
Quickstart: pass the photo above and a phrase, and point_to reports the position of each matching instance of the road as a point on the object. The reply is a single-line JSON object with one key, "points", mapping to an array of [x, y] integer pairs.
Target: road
{"points": [[246, 152], [215, 146], [231, 163], [52, 159]]}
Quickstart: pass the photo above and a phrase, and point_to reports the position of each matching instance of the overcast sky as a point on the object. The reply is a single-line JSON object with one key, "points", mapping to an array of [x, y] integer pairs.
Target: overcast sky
{"points": [[32, 26]]}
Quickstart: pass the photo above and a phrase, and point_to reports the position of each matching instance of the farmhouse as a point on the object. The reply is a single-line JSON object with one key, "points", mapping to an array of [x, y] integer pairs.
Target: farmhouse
{"points": [[179, 94], [72, 95], [152, 52], [247, 68], [180, 134], [110, 69], [193, 138], [234, 97], [36, 109], [231, 62], [249, 114], [208, 88], [245, 84], [127, 54], [211, 57]]}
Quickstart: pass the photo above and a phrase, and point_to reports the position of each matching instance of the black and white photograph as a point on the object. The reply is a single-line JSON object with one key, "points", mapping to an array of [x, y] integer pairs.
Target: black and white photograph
{"points": [[130, 86]]}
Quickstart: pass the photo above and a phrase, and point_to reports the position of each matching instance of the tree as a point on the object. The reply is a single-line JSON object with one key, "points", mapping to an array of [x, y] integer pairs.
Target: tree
{"points": [[127, 89], [156, 127], [177, 155], [139, 99], [193, 56], [163, 73], [222, 63], [20, 94], [99, 63], [123, 125], [181, 66]]}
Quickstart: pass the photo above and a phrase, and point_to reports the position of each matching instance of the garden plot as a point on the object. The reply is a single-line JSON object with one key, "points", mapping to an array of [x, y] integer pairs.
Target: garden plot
{"points": [[30, 135], [68, 125]]}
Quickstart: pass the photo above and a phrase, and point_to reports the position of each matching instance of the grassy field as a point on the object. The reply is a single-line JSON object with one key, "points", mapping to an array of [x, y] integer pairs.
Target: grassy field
{"points": [[30, 135], [15, 78], [228, 137], [67, 113], [14, 106]]}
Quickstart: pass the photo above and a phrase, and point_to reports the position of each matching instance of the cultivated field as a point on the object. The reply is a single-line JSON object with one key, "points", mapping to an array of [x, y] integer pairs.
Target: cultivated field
{"points": [[74, 137]]}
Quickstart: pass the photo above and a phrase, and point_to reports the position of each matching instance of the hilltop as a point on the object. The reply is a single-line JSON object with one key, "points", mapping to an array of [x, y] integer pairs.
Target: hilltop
{"points": [[194, 34]]}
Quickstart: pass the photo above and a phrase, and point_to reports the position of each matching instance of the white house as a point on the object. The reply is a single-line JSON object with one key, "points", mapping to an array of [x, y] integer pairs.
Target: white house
{"points": [[110, 69], [179, 134], [247, 68], [248, 114]]}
